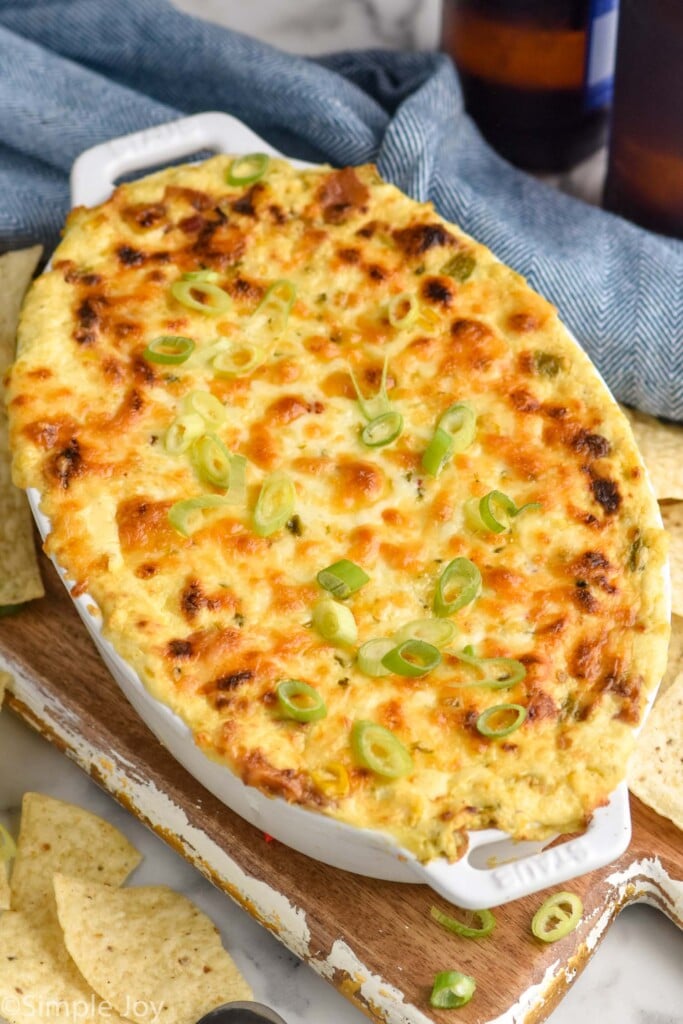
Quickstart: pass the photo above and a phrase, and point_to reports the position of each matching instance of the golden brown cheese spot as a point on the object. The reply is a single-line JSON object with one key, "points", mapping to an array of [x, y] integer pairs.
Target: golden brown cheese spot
{"points": [[291, 407], [249, 291], [261, 447], [291, 597], [524, 323], [341, 193], [89, 316], [48, 434], [143, 526], [418, 239], [294, 786], [586, 661], [402, 557], [473, 347], [193, 197], [143, 216], [527, 462], [540, 706], [524, 401], [364, 542], [594, 567], [246, 203], [358, 483], [349, 256]]}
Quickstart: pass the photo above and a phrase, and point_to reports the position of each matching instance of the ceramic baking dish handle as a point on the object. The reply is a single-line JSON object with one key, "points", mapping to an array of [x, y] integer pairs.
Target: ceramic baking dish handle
{"points": [[497, 870], [95, 172]]}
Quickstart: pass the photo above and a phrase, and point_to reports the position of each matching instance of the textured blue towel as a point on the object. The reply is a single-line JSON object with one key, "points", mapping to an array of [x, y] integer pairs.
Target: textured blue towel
{"points": [[76, 72]]}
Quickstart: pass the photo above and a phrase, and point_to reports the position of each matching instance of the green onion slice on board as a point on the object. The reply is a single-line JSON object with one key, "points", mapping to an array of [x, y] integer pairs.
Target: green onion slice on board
{"points": [[275, 504], [458, 585], [299, 701], [335, 621], [379, 750], [557, 916], [188, 516], [498, 673], [342, 578], [245, 170], [509, 717], [452, 989], [171, 349], [370, 654], [412, 658], [487, 923]]}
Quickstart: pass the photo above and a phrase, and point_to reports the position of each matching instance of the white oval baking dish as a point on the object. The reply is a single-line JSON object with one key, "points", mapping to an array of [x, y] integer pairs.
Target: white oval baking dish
{"points": [[496, 869]]}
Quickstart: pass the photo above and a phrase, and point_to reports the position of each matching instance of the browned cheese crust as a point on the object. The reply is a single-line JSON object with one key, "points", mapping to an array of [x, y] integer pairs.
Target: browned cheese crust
{"points": [[215, 620]]}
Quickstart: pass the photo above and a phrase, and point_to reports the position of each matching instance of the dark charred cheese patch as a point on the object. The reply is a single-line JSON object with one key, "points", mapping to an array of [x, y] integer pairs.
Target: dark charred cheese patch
{"points": [[293, 786], [586, 443], [67, 463], [437, 291], [246, 204], [144, 216], [606, 493], [418, 239], [194, 599], [130, 257], [341, 194]]}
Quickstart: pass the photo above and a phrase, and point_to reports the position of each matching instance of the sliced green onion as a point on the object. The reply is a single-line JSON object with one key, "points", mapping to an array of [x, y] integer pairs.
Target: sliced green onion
{"points": [[499, 673], [452, 989], [300, 701], [169, 348], [187, 516], [206, 405], [460, 266], [238, 359], [486, 925], [455, 432], [378, 749], [216, 465], [459, 584], [557, 916], [213, 302], [403, 310], [437, 453], [370, 654], [183, 432], [382, 430], [275, 504], [245, 170], [379, 404], [8, 849], [501, 710], [275, 306], [437, 632], [495, 507], [335, 622], [201, 275], [412, 658], [342, 578]]}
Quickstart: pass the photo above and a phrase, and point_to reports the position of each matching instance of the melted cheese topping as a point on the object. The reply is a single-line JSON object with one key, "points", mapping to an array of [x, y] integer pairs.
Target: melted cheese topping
{"points": [[214, 621]]}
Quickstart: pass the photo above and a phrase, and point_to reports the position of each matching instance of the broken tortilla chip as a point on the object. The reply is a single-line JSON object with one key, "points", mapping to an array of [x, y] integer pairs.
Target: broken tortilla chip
{"points": [[656, 769], [661, 445], [19, 574], [141, 948], [674, 665], [56, 836], [38, 979], [672, 517]]}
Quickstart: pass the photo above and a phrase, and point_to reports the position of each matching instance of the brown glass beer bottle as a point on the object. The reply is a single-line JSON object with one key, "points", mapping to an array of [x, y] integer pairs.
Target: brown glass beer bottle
{"points": [[645, 171], [537, 74]]}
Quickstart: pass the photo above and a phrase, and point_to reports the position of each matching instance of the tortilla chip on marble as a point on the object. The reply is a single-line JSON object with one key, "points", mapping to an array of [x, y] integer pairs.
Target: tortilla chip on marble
{"points": [[672, 517], [141, 947], [661, 445], [57, 836]]}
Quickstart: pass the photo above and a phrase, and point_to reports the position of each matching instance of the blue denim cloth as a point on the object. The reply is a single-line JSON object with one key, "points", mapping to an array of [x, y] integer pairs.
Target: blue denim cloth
{"points": [[76, 72]]}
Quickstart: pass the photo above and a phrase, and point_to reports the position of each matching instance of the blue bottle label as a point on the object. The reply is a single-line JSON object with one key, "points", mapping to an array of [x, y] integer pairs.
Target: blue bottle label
{"points": [[600, 53]]}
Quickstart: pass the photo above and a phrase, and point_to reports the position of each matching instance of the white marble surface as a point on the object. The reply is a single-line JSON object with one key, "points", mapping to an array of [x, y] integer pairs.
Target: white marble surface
{"points": [[636, 977]]}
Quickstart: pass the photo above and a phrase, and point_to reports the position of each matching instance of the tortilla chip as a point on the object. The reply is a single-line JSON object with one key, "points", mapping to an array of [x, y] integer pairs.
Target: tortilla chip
{"points": [[661, 445], [38, 979], [55, 836], [674, 665], [19, 574], [5, 680], [140, 948], [656, 769], [672, 516]]}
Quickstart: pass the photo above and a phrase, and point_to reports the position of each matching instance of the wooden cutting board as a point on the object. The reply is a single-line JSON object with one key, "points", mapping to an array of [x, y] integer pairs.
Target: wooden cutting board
{"points": [[375, 941]]}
